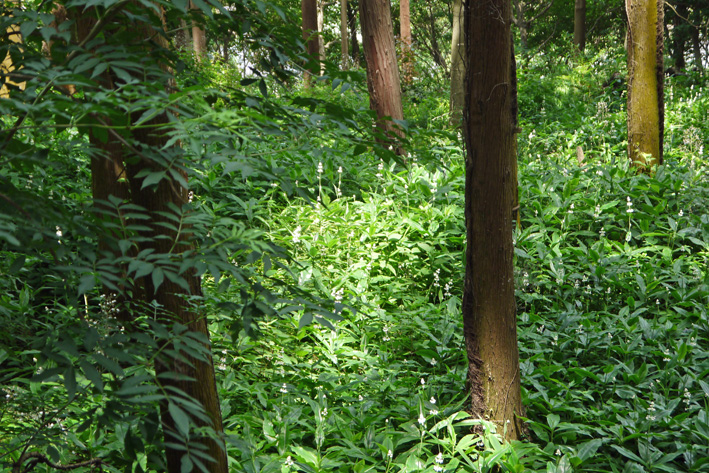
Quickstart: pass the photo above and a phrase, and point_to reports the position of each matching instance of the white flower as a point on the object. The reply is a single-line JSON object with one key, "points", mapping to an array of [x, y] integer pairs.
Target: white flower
{"points": [[323, 413], [557, 453], [339, 170], [432, 400], [289, 461], [390, 454], [439, 458], [680, 213], [296, 234], [433, 362], [571, 209], [423, 382], [433, 412], [361, 398], [422, 419], [628, 236], [284, 388], [320, 167]]}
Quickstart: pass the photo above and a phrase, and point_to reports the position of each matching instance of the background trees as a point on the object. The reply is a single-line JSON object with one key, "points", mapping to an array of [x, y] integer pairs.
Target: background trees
{"points": [[327, 271]]}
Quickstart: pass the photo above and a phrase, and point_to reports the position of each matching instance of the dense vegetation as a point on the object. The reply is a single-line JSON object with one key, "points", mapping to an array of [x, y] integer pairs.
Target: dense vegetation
{"points": [[332, 274]]}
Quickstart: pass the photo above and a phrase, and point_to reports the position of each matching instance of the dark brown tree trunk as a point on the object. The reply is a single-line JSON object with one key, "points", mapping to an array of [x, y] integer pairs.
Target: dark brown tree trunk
{"points": [[488, 297], [457, 65], [645, 82], [309, 9], [109, 174], [580, 24], [382, 68]]}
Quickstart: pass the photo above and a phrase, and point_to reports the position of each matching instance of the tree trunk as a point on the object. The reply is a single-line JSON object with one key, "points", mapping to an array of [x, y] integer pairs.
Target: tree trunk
{"points": [[321, 41], [382, 69], [108, 173], [697, 49], [520, 23], [199, 37], [457, 65], [435, 49], [580, 24], [407, 54], [488, 296], [309, 10], [344, 39], [645, 82], [352, 21]]}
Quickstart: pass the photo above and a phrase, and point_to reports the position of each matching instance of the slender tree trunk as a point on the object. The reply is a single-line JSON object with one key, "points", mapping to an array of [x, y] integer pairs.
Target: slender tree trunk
{"points": [[321, 41], [13, 32], [344, 39], [435, 48], [382, 69], [580, 24], [488, 298], [697, 49], [309, 9], [645, 82], [520, 23], [457, 65], [352, 21], [199, 37], [407, 53]]}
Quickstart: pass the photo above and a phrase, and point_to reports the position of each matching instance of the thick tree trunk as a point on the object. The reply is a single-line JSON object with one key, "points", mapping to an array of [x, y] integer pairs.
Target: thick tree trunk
{"points": [[645, 82], [344, 38], [488, 299], [382, 69], [309, 9], [407, 53], [194, 377], [580, 24], [457, 65]]}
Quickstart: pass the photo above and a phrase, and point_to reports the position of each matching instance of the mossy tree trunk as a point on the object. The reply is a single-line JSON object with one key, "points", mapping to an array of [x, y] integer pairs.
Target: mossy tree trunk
{"points": [[489, 124], [645, 82]]}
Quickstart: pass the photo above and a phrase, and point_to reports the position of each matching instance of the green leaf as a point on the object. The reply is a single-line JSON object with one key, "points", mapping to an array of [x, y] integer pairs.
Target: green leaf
{"points": [[180, 418], [158, 276], [588, 449], [305, 319], [70, 382], [91, 374], [152, 179], [553, 421]]}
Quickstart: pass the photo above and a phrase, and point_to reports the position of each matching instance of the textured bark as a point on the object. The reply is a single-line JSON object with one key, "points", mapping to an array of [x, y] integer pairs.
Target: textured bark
{"points": [[321, 42], [13, 32], [645, 82], [489, 318], [457, 65], [344, 38], [199, 36], [407, 53], [382, 69], [580, 24], [309, 9], [109, 170]]}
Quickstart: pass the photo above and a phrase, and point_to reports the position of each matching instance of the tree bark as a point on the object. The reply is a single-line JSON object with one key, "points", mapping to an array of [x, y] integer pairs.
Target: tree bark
{"points": [[645, 82], [697, 49], [407, 57], [488, 297], [352, 21], [457, 65], [108, 178], [199, 37], [382, 68], [321, 41], [309, 9], [344, 38], [580, 24]]}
